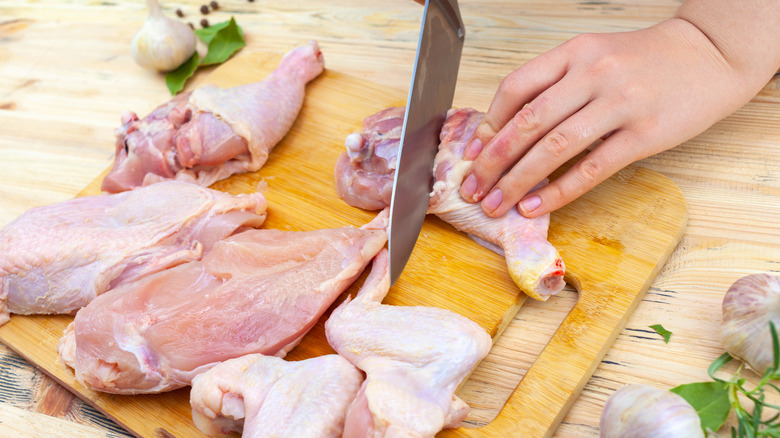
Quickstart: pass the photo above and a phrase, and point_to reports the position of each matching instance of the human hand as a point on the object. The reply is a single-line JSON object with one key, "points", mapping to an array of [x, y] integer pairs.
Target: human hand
{"points": [[643, 92]]}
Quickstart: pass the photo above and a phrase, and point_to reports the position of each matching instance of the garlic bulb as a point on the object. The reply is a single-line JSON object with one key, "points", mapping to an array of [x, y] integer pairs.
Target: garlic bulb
{"points": [[642, 411], [748, 306], [162, 44]]}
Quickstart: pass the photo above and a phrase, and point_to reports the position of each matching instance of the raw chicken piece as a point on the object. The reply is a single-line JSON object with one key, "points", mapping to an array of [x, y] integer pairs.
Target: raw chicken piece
{"points": [[57, 258], [364, 178], [259, 291], [414, 359], [533, 262], [265, 396], [365, 173], [213, 133]]}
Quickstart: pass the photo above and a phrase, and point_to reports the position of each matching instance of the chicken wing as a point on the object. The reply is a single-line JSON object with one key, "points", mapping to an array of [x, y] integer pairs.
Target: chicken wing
{"points": [[265, 396], [414, 358]]}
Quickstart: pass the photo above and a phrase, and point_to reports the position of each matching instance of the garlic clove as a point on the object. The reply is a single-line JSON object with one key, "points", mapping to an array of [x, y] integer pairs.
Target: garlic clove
{"points": [[748, 306], [162, 44], [642, 411]]}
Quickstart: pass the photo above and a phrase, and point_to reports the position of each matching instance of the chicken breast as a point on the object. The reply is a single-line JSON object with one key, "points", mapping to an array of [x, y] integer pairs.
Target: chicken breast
{"points": [[414, 358], [265, 396], [58, 258], [213, 133], [364, 178], [259, 291]]}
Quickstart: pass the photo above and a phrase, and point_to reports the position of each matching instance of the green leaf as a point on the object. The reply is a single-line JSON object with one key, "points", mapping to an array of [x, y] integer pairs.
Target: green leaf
{"points": [[223, 43], [718, 364], [775, 346], [223, 40], [206, 34], [709, 399], [175, 79], [662, 331]]}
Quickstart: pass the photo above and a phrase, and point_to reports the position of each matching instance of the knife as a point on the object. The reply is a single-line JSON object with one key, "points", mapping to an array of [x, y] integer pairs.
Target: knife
{"points": [[434, 76]]}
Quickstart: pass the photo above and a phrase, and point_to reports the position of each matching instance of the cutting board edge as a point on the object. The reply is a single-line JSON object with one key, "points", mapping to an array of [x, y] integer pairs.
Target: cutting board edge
{"points": [[510, 418]]}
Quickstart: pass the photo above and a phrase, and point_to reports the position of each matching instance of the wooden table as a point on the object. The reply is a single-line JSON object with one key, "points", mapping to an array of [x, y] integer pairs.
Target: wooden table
{"points": [[66, 75]]}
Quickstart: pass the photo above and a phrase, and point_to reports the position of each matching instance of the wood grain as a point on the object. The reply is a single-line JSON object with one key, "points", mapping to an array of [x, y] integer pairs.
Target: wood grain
{"points": [[20, 422], [612, 252], [66, 76]]}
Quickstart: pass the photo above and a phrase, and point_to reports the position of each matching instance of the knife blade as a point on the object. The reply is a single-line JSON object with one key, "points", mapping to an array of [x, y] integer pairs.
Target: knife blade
{"points": [[435, 73]]}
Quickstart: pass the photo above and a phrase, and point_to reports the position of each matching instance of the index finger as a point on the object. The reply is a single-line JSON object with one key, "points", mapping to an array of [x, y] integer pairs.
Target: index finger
{"points": [[516, 89]]}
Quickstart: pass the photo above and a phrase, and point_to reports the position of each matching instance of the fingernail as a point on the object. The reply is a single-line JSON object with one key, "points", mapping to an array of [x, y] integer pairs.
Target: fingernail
{"points": [[528, 205], [468, 187], [492, 200], [472, 150]]}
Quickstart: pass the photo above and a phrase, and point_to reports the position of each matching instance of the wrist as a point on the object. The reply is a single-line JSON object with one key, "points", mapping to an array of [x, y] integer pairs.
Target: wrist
{"points": [[745, 76], [746, 34]]}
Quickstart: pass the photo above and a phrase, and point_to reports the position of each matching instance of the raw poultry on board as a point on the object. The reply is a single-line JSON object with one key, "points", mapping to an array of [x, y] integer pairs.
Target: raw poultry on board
{"points": [[265, 396], [57, 258], [414, 358], [259, 291], [365, 172], [212, 133], [364, 179]]}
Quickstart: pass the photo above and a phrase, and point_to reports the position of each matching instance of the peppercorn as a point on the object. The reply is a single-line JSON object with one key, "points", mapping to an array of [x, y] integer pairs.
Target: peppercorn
{"points": [[204, 23], [204, 9], [191, 26], [179, 13], [214, 5]]}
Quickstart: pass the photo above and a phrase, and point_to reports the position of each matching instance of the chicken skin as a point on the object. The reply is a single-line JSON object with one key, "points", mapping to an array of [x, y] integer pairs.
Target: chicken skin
{"points": [[414, 358], [212, 133], [265, 396], [57, 258], [364, 178], [259, 291]]}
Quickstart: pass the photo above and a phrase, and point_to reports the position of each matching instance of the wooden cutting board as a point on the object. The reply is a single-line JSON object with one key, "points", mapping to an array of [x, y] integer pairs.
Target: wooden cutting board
{"points": [[614, 240]]}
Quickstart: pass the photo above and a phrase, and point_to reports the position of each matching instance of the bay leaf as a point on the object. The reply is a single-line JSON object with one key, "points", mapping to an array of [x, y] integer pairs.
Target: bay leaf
{"points": [[223, 40], [176, 79], [223, 43]]}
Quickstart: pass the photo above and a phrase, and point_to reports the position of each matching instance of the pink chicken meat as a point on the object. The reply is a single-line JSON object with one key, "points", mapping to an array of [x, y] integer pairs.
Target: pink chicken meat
{"points": [[58, 258], [212, 133], [259, 291], [265, 396], [414, 358], [364, 178]]}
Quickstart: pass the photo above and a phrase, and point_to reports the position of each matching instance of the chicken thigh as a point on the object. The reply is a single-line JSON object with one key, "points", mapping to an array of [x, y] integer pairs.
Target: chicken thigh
{"points": [[265, 396], [414, 358], [364, 179], [259, 291], [212, 133], [57, 258]]}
